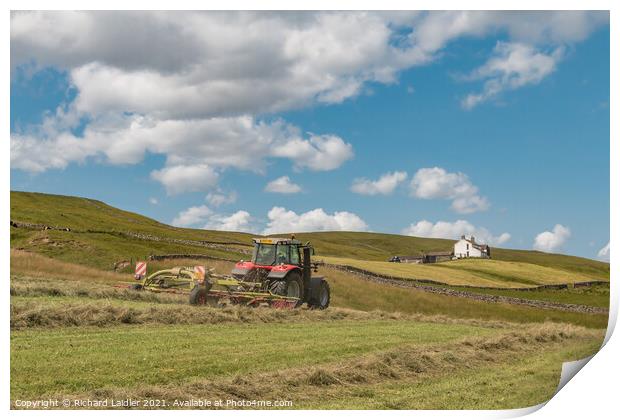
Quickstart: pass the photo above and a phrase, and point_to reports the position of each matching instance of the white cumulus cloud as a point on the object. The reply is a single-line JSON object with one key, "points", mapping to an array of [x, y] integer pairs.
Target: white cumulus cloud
{"points": [[603, 253], [192, 216], [282, 220], [239, 221], [437, 183], [282, 185], [195, 149], [385, 185], [454, 230], [205, 218], [513, 65], [218, 198], [189, 85], [436, 29], [184, 178], [319, 153], [552, 241]]}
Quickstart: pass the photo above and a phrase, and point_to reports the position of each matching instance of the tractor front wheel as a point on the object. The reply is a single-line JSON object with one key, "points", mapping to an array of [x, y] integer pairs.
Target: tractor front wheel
{"points": [[291, 286], [323, 298]]}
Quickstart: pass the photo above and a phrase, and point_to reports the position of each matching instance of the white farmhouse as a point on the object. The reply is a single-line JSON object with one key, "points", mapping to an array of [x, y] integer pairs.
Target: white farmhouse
{"points": [[468, 248]]}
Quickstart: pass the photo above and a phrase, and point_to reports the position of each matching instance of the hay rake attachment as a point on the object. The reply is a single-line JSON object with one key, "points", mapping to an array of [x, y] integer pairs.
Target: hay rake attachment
{"points": [[204, 287]]}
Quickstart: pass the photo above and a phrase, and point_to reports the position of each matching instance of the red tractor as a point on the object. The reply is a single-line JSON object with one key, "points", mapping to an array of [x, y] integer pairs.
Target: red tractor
{"points": [[283, 267]]}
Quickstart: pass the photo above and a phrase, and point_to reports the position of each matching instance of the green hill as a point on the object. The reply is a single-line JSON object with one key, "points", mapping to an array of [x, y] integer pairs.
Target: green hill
{"points": [[87, 215], [99, 235]]}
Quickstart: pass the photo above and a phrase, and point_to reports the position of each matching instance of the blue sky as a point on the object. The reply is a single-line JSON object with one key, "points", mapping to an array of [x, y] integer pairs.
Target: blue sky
{"points": [[523, 163]]}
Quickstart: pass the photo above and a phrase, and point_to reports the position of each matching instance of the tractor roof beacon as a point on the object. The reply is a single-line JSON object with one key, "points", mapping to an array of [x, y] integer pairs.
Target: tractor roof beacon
{"points": [[284, 268]]}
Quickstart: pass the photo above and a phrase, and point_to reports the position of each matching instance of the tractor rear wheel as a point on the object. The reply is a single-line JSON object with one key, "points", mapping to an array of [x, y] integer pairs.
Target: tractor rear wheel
{"points": [[291, 286], [322, 301]]}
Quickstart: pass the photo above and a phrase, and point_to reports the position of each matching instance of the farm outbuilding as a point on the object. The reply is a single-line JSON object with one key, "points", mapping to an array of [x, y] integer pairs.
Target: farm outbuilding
{"points": [[426, 258]]}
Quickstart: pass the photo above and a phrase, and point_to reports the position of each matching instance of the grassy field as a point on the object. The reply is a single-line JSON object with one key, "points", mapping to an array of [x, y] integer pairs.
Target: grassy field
{"points": [[489, 273], [247, 361], [135, 356], [351, 292], [597, 296], [75, 335], [522, 381]]}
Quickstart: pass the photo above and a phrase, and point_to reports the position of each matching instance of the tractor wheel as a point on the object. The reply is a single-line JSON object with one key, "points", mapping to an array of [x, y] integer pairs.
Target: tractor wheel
{"points": [[200, 296], [322, 302], [290, 286]]}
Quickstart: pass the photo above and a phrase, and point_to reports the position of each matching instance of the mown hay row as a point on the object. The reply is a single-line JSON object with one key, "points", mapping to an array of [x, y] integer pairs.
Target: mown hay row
{"points": [[105, 314], [62, 289], [403, 363]]}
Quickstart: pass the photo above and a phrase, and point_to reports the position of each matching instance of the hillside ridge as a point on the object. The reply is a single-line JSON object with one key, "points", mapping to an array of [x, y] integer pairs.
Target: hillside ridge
{"points": [[90, 217]]}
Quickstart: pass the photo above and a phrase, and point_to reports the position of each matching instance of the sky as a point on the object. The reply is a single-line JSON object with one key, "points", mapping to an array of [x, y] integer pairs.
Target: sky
{"points": [[433, 124]]}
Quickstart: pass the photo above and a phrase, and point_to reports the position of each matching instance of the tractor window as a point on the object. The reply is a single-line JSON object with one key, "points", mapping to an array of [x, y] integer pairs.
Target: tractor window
{"points": [[282, 254], [264, 254], [294, 255]]}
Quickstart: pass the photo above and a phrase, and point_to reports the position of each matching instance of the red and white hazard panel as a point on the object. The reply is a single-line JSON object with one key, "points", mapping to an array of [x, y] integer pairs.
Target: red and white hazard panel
{"points": [[140, 269]]}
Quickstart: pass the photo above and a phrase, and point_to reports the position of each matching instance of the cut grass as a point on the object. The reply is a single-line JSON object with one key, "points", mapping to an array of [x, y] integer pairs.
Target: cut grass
{"points": [[82, 360], [72, 311], [362, 371], [522, 381], [180, 351], [481, 273], [22, 287]]}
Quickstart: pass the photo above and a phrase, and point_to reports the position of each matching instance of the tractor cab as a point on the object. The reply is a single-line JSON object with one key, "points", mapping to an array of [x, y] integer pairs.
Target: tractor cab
{"points": [[276, 251]]}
